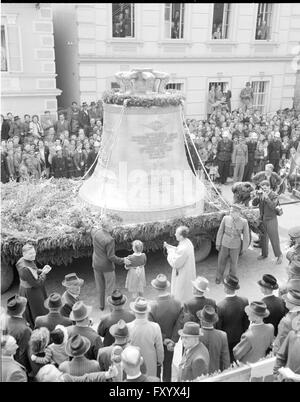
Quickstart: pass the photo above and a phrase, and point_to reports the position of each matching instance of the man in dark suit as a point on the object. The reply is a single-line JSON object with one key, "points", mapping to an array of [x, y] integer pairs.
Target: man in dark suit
{"points": [[53, 303], [73, 286], [224, 152], [81, 315], [275, 305], [92, 155], [231, 310], [214, 339], [131, 362], [252, 145], [168, 314], [84, 118], [267, 201], [195, 359], [104, 260], [117, 302], [18, 328], [200, 286]]}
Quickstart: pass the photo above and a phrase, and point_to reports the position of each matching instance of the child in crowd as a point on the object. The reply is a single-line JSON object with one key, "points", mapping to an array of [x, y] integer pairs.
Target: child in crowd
{"points": [[58, 339], [40, 354], [136, 280]]}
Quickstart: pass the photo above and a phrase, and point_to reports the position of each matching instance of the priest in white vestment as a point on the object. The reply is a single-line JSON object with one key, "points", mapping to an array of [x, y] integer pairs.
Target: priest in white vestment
{"points": [[182, 261]]}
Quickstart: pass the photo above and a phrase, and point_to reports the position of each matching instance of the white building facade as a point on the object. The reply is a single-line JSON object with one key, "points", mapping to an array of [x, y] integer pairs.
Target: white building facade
{"points": [[28, 77], [198, 44]]}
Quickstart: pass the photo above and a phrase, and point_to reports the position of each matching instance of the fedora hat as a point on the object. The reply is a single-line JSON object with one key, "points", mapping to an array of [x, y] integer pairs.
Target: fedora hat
{"points": [[268, 281], [208, 314], [80, 311], [119, 330], [140, 305], [15, 305], [160, 282], [117, 298], [71, 280], [77, 345], [190, 328], [53, 301], [293, 297], [258, 308], [201, 284], [232, 282]]}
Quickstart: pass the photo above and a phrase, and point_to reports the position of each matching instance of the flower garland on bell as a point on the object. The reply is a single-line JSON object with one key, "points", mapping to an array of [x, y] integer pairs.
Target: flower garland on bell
{"points": [[150, 100]]}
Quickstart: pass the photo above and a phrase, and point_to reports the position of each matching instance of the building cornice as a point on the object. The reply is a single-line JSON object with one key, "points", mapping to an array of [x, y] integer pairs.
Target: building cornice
{"points": [[182, 59], [55, 92]]}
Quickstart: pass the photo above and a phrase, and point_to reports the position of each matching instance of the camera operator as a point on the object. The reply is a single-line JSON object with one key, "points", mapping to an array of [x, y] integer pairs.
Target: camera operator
{"points": [[268, 203]]}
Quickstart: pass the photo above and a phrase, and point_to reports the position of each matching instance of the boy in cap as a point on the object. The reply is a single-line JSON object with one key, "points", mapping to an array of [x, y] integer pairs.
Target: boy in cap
{"points": [[233, 237]]}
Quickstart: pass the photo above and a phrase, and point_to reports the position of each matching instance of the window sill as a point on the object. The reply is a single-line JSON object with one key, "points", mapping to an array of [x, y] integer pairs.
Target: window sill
{"points": [[221, 42], [259, 42], [177, 42], [124, 40]]}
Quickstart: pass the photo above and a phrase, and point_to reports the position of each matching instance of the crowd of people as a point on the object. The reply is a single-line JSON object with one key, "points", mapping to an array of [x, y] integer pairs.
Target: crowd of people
{"points": [[53, 339], [35, 147]]}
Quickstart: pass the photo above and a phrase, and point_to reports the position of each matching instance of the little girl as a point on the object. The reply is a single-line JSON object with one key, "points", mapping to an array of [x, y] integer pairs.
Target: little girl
{"points": [[136, 280]]}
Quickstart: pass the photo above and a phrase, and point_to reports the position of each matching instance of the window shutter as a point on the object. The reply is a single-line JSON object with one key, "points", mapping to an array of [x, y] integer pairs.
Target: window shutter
{"points": [[14, 48]]}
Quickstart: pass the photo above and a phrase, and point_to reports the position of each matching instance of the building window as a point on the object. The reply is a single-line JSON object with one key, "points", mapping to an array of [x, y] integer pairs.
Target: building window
{"points": [[174, 87], [260, 90], [123, 20], [263, 21], [221, 19], [174, 20], [4, 65]]}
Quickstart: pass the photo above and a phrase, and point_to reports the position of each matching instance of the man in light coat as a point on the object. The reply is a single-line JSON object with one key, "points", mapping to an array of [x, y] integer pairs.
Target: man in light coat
{"points": [[182, 261], [147, 336], [11, 371]]}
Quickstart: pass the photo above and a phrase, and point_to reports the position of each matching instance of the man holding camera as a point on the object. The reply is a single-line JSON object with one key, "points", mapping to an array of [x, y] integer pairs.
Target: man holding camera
{"points": [[268, 203]]}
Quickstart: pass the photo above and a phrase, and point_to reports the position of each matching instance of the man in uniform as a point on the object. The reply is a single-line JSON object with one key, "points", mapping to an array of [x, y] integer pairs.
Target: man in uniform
{"points": [[229, 242], [274, 151], [224, 152]]}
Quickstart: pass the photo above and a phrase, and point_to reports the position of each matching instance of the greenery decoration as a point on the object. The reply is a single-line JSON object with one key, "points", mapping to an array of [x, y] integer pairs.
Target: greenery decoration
{"points": [[148, 100], [50, 214]]}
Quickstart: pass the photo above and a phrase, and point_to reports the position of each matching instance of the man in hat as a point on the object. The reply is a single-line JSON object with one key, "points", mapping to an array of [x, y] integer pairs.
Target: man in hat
{"points": [[224, 153], [77, 347], [292, 302], [267, 200], [16, 128], [289, 353], [257, 340], [132, 361], [246, 96], [231, 311], [182, 261], [11, 370], [61, 125], [275, 304], [81, 315], [104, 260], [146, 335], [252, 145], [214, 339], [275, 151], [167, 312], [18, 328], [73, 286], [195, 359], [233, 237], [198, 301], [273, 178], [53, 303], [117, 301]]}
